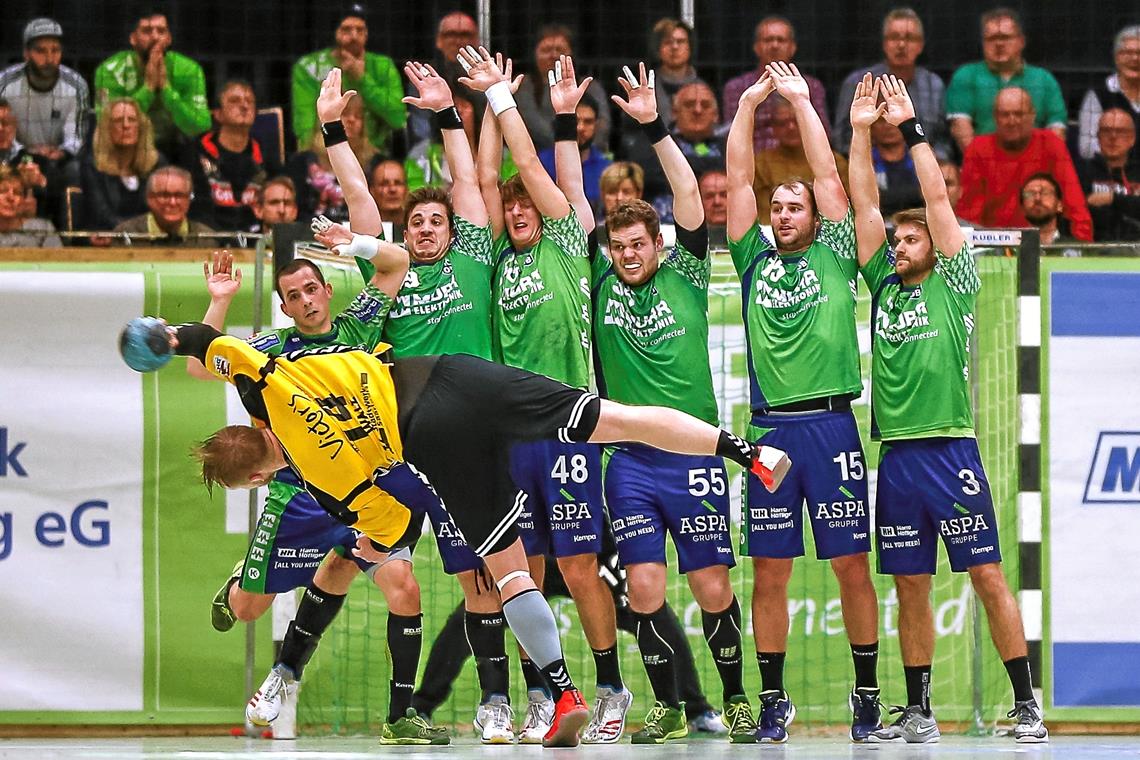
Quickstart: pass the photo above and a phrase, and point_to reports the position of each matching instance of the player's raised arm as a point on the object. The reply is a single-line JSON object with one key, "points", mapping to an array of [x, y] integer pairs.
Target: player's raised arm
{"points": [[565, 94], [484, 75], [363, 215], [740, 159], [223, 281], [869, 229], [489, 158], [945, 232], [641, 105], [830, 197], [436, 96]]}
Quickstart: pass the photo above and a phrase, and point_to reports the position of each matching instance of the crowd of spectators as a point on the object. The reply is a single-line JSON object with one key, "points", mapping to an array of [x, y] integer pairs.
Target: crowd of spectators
{"points": [[155, 156]]}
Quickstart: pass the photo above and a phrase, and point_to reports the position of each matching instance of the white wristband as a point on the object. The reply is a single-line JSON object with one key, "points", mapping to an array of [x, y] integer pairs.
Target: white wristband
{"points": [[362, 246], [500, 98]]}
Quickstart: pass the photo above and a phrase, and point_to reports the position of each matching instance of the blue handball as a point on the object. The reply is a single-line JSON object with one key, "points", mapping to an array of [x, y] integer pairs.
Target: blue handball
{"points": [[144, 344]]}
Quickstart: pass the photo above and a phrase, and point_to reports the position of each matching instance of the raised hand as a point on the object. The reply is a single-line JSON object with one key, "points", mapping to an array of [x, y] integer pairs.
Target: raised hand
{"points": [[331, 103], [899, 105], [757, 93], [223, 280], [865, 111], [330, 234], [435, 95], [564, 93], [482, 70], [640, 92], [788, 81]]}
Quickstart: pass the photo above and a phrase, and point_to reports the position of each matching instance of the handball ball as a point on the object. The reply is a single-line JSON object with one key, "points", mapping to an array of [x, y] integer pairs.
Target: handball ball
{"points": [[144, 344]]}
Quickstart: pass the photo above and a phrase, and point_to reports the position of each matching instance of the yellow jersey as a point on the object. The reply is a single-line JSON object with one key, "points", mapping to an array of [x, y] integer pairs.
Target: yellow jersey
{"points": [[334, 411]]}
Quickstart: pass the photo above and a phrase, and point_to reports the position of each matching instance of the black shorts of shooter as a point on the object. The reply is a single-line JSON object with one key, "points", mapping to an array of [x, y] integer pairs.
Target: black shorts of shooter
{"points": [[459, 416]]}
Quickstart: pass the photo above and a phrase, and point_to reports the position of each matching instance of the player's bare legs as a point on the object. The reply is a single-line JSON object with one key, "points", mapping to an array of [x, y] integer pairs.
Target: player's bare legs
{"points": [[1002, 612], [857, 596]]}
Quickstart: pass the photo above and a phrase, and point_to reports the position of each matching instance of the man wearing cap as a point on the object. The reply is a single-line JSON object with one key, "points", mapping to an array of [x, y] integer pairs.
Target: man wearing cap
{"points": [[168, 86], [49, 101], [372, 75]]}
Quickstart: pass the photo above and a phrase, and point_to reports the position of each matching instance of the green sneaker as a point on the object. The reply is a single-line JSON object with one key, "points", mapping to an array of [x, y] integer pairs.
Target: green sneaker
{"points": [[737, 716], [662, 724], [222, 616], [413, 729]]}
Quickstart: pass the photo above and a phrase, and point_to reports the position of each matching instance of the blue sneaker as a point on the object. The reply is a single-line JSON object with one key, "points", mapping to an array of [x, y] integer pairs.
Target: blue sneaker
{"points": [[776, 713], [866, 713]]}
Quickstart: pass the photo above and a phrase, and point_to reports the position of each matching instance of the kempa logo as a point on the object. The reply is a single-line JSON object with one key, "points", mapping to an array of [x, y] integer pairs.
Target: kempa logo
{"points": [[1114, 477]]}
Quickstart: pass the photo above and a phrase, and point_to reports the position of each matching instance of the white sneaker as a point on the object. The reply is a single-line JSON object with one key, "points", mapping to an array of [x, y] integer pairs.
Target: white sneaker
{"points": [[607, 724], [1030, 726], [493, 721], [265, 704], [539, 718]]}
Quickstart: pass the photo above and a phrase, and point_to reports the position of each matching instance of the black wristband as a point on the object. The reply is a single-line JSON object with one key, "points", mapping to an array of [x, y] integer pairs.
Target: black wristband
{"points": [[655, 130], [912, 132], [565, 127], [448, 118], [334, 133]]}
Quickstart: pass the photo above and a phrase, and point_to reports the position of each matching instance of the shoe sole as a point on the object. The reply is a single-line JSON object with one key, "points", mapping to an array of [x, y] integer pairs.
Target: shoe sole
{"points": [[1032, 739], [566, 735], [671, 736], [396, 742]]}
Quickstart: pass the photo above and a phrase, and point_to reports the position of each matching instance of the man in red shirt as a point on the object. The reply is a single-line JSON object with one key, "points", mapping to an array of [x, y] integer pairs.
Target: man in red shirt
{"points": [[997, 165]]}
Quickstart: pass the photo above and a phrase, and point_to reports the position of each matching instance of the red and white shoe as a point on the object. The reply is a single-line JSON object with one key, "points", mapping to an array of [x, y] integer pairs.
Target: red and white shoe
{"points": [[570, 714], [770, 465]]}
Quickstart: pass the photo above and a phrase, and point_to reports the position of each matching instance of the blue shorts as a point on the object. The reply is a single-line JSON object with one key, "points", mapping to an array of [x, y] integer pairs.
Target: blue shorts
{"points": [[292, 537], [408, 486], [931, 487], [561, 488], [649, 492], [828, 473]]}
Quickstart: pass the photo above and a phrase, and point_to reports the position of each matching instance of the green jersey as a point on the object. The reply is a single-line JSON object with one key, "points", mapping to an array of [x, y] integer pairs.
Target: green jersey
{"points": [[179, 104], [542, 299], [652, 340], [920, 365], [799, 315], [361, 325], [445, 307]]}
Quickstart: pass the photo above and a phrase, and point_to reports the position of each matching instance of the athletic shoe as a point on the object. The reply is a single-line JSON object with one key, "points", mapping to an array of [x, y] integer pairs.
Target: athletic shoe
{"points": [[708, 722], [539, 716], [413, 729], [493, 721], [570, 714], [776, 713], [913, 726], [1030, 726], [662, 724], [866, 712], [607, 724], [770, 465], [265, 704], [222, 615], [737, 716]]}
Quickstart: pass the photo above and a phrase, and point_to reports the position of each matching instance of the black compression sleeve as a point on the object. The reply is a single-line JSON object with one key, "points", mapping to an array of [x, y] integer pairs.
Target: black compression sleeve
{"points": [[695, 241], [194, 339]]}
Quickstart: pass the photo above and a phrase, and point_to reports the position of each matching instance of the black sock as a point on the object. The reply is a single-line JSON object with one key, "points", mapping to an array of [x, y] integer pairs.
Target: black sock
{"points": [[657, 655], [771, 670], [445, 662], [1019, 676], [558, 677], [688, 680], [485, 636], [405, 636], [734, 447], [533, 677], [608, 668], [918, 686], [722, 632], [314, 615], [866, 660]]}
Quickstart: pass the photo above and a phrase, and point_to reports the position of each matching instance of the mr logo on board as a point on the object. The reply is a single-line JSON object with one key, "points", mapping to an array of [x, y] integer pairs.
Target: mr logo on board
{"points": [[1114, 477]]}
